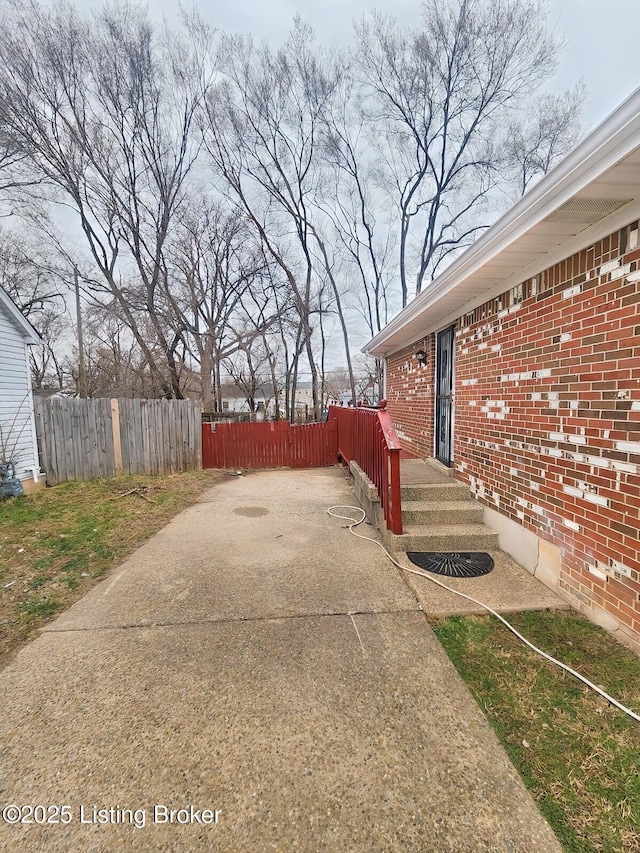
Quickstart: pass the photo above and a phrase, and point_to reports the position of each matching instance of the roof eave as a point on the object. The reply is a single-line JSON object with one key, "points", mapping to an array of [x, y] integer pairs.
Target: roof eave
{"points": [[612, 140], [29, 333]]}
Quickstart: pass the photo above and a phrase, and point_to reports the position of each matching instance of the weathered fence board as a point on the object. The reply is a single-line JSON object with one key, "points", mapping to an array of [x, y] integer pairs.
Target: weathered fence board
{"points": [[269, 445], [87, 439], [313, 445]]}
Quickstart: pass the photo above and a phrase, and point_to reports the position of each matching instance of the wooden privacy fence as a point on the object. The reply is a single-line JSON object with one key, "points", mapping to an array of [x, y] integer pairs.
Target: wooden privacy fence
{"points": [[88, 439], [269, 445]]}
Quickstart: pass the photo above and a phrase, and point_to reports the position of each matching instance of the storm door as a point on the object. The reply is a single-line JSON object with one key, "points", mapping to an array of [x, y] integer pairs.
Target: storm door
{"points": [[444, 396]]}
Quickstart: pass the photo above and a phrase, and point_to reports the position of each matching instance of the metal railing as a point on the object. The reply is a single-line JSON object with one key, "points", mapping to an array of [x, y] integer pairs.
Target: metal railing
{"points": [[367, 436]]}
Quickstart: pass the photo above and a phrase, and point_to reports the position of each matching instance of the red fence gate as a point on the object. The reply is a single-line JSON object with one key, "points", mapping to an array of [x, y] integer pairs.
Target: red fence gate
{"points": [[269, 445]]}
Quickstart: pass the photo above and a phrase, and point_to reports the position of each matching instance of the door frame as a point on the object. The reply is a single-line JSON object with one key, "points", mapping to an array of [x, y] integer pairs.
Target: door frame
{"points": [[444, 402]]}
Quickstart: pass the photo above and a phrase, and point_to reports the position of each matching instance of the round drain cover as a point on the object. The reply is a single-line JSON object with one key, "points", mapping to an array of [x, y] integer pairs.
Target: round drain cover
{"points": [[452, 565]]}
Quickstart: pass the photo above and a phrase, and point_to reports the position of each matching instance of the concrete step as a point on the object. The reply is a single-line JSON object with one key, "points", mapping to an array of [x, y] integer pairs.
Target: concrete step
{"points": [[441, 512], [452, 491], [446, 537], [424, 471]]}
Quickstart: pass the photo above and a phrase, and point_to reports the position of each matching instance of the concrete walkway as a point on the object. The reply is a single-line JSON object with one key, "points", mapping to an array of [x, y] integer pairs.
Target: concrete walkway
{"points": [[256, 659]]}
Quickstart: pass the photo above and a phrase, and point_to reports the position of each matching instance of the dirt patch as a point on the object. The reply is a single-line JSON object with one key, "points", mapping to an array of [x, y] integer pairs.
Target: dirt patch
{"points": [[251, 511]]}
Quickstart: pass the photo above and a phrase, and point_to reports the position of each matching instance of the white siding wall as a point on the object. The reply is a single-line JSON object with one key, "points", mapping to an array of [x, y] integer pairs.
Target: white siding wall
{"points": [[239, 404], [16, 404], [235, 404]]}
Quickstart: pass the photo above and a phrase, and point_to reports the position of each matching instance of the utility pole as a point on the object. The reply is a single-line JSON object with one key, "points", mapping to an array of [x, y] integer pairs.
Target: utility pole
{"points": [[82, 379]]}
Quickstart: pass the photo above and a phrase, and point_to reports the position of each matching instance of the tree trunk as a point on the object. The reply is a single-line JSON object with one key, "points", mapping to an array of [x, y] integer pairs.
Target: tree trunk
{"points": [[206, 376]]}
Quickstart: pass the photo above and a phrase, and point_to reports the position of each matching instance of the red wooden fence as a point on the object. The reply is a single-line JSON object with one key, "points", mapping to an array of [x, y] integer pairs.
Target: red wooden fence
{"points": [[269, 445], [368, 437]]}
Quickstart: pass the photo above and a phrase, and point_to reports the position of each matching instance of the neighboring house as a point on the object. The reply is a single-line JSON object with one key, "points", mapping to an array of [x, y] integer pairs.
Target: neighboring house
{"points": [[531, 386], [234, 400], [342, 398], [17, 424], [304, 397]]}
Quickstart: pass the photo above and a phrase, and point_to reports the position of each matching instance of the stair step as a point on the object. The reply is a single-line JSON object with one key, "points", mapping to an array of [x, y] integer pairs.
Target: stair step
{"points": [[446, 537], [453, 491], [442, 512]]}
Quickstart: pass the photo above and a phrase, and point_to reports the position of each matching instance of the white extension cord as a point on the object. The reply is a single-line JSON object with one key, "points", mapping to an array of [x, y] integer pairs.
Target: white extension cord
{"points": [[355, 523]]}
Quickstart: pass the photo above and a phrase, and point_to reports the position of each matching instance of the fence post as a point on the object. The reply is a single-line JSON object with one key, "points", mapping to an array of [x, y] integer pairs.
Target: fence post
{"points": [[394, 480], [115, 429]]}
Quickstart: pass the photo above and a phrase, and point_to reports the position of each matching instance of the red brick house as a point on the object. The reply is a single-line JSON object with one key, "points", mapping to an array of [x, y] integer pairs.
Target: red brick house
{"points": [[530, 389]]}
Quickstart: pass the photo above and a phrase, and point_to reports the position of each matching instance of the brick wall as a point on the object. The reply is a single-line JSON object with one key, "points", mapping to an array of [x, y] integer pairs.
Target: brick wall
{"points": [[547, 416], [410, 397]]}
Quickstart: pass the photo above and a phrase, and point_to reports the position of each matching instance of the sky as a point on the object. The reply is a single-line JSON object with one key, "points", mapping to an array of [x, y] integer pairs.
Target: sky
{"points": [[602, 49], [601, 36]]}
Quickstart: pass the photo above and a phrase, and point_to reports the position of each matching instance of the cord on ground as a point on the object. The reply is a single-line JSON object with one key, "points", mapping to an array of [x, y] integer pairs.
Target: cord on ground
{"points": [[356, 522]]}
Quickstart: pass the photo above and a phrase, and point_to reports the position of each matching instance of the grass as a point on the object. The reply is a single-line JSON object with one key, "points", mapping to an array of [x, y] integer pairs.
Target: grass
{"points": [[579, 756], [56, 544]]}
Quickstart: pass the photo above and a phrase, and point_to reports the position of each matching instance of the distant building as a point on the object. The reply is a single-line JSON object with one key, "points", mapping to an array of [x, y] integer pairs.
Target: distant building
{"points": [[234, 401]]}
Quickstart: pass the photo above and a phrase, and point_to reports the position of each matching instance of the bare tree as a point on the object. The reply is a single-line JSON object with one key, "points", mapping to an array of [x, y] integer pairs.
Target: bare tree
{"points": [[225, 299], [37, 282], [30, 274], [250, 370], [15, 175], [333, 303], [114, 363], [262, 128], [362, 234], [104, 109], [439, 99], [284, 346], [361, 227], [544, 135], [48, 369], [341, 184]]}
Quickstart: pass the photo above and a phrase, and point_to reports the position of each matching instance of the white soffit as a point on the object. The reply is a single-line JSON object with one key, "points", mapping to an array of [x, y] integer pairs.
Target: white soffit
{"points": [[592, 193], [585, 211]]}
